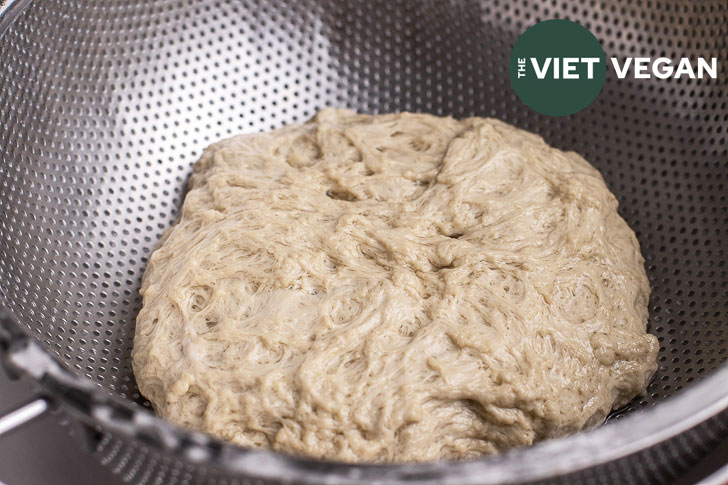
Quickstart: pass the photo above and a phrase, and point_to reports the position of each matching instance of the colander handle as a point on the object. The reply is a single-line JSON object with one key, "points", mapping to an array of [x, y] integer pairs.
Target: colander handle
{"points": [[23, 414], [28, 411], [22, 356]]}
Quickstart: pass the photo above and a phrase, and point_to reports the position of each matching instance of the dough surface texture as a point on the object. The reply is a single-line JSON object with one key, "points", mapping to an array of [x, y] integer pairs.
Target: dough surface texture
{"points": [[393, 288]]}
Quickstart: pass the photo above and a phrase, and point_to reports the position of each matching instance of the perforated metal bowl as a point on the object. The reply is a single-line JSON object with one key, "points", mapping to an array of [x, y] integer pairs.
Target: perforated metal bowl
{"points": [[105, 105]]}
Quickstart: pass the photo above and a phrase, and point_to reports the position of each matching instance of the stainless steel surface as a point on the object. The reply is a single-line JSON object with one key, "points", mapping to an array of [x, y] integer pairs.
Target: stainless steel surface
{"points": [[9, 10], [22, 414], [105, 106], [719, 477], [43, 452]]}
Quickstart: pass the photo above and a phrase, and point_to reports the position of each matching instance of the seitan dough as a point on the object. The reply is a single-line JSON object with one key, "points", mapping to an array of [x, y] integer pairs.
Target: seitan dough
{"points": [[393, 288]]}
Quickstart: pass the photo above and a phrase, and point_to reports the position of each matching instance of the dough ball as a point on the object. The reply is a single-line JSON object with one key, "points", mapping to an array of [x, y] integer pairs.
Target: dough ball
{"points": [[393, 288]]}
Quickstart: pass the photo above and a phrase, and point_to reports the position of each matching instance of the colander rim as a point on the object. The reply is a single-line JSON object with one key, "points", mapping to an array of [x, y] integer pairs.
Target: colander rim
{"points": [[96, 406]]}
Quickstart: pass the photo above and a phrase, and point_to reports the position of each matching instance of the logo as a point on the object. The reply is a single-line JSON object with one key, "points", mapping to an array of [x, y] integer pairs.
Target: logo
{"points": [[557, 67]]}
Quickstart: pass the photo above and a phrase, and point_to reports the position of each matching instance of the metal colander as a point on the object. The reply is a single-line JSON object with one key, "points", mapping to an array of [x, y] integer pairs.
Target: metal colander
{"points": [[105, 105]]}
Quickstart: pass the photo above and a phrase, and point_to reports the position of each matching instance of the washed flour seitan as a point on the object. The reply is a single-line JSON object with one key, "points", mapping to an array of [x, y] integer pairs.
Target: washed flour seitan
{"points": [[393, 288]]}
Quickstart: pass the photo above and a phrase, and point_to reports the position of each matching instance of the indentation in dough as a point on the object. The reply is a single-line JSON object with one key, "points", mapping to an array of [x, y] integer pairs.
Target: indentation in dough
{"points": [[303, 152], [341, 194], [575, 297], [198, 296], [193, 403]]}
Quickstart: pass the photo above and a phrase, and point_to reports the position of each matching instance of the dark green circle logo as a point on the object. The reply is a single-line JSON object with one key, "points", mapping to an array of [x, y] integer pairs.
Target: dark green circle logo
{"points": [[557, 67]]}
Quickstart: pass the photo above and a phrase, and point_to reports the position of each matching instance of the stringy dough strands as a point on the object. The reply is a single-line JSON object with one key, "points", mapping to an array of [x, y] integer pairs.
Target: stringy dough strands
{"points": [[393, 288]]}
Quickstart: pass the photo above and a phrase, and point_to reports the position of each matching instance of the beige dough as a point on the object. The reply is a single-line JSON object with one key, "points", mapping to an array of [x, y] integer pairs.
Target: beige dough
{"points": [[393, 288]]}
